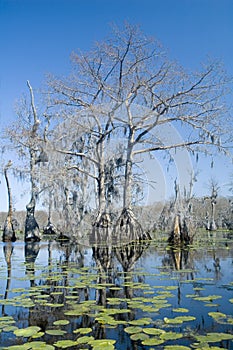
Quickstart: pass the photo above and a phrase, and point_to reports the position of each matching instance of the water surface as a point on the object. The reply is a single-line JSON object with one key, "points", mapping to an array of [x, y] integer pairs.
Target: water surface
{"points": [[135, 296]]}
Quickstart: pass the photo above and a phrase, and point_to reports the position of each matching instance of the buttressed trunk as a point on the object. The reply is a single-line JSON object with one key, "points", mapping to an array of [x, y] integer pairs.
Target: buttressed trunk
{"points": [[32, 232]]}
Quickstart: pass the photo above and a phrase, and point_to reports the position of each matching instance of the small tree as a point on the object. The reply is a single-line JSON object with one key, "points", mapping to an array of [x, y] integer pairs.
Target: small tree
{"points": [[214, 189], [27, 140]]}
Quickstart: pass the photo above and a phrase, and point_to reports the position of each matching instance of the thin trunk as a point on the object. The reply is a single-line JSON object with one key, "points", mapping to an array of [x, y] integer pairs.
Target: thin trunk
{"points": [[8, 231], [127, 194], [213, 224], [101, 181]]}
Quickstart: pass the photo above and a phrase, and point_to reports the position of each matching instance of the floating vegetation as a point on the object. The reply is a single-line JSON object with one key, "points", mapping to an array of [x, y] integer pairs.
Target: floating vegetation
{"points": [[27, 332], [153, 341], [213, 337], [180, 309], [61, 322], [64, 305], [179, 319]]}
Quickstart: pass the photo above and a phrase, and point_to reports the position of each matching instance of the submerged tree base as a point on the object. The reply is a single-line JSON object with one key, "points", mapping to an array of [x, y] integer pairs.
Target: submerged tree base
{"points": [[8, 231]]}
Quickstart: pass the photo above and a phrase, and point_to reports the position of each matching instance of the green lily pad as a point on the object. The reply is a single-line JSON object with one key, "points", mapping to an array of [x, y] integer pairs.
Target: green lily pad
{"points": [[40, 345], [139, 336], [85, 339], [180, 309], [141, 321], [18, 347], [61, 322], [27, 332], [133, 330], [152, 341], [176, 347], [175, 320], [213, 337], [186, 318], [9, 329], [153, 331], [208, 298], [99, 344], [64, 344], [83, 330], [38, 335], [216, 315], [55, 332]]}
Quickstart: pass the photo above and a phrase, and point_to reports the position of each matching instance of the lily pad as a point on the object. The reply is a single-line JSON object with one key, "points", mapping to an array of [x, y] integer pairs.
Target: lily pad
{"points": [[216, 315], [141, 321], [171, 336], [153, 341], [176, 347], [55, 332], [61, 322], [99, 344], [213, 337], [153, 331], [180, 309], [139, 336], [64, 344], [133, 330], [27, 332], [83, 330]]}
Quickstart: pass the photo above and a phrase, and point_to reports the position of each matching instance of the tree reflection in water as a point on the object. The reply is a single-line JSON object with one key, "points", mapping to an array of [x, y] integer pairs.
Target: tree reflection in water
{"points": [[8, 250]]}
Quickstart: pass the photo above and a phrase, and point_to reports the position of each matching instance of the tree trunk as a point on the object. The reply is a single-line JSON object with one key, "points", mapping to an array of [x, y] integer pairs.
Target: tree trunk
{"points": [[182, 231], [101, 217], [8, 230], [213, 226], [32, 232], [127, 195], [127, 227]]}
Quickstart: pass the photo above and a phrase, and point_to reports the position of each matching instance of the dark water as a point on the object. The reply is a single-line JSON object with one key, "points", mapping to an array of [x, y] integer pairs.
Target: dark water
{"points": [[102, 292]]}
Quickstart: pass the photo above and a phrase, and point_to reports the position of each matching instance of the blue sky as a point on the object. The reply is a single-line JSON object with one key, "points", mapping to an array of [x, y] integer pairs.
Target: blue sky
{"points": [[38, 36]]}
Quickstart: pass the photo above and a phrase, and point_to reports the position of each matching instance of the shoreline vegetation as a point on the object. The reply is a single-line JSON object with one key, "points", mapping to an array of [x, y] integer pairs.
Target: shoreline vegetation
{"points": [[150, 217]]}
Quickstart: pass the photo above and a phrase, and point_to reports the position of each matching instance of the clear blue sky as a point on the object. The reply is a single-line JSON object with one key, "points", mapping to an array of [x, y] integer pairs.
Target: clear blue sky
{"points": [[37, 37]]}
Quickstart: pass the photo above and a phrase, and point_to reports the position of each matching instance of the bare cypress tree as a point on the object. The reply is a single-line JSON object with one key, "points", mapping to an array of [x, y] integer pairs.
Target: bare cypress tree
{"points": [[32, 232], [8, 230], [26, 140], [127, 86]]}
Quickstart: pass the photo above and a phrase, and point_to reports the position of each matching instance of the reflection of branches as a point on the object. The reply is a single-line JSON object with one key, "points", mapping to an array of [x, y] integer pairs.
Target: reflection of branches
{"points": [[103, 258], [127, 255]]}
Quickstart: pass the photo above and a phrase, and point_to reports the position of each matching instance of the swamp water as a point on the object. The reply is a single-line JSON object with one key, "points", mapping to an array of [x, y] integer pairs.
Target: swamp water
{"points": [[135, 296]]}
